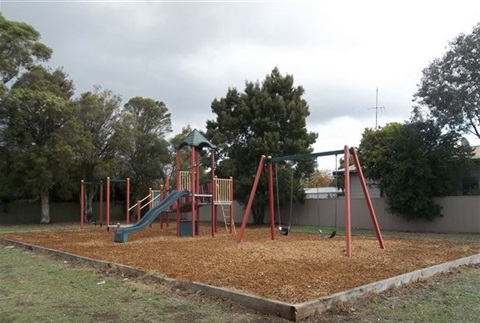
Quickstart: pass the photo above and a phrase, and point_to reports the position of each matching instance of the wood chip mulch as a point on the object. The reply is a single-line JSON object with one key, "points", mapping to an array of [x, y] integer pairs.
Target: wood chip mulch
{"points": [[293, 269]]}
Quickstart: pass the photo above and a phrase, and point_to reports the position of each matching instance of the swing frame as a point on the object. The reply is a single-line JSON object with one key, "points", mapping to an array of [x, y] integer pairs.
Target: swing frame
{"points": [[348, 231]]}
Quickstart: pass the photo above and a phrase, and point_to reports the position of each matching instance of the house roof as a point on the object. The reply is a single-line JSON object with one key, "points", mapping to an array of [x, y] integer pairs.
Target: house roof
{"points": [[351, 168], [321, 190]]}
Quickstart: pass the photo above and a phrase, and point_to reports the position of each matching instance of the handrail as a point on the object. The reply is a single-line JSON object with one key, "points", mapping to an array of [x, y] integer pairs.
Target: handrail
{"points": [[135, 205]]}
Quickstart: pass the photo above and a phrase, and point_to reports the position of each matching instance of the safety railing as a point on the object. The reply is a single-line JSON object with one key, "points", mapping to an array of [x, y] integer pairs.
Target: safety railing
{"points": [[185, 180], [223, 190]]}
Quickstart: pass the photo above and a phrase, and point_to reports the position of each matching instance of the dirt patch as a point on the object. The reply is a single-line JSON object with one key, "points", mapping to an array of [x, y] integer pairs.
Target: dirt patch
{"points": [[293, 268]]}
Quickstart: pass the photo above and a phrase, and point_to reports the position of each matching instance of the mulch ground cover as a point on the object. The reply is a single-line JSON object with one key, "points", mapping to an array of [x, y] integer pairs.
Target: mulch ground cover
{"points": [[293, 268]]}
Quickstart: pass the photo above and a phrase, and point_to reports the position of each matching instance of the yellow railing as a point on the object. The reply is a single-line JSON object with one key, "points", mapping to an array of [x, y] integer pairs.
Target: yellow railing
{"points": [[223, 187], [185, 180], [223, 190]]}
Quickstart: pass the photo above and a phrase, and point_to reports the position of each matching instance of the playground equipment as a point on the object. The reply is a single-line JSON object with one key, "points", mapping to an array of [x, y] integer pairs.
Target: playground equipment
{"points": [[220, 193], [346, 152], [121, 235], [188, 196], [108, 185]]}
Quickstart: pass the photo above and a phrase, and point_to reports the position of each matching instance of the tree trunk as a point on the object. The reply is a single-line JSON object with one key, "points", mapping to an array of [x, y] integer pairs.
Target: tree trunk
{"points": [[45, 202], [89, 207], [258, 215]]}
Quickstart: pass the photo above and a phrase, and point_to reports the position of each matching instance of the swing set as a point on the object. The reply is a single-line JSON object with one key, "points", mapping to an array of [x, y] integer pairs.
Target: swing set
{"points": [[110, 190], [285, 231]]}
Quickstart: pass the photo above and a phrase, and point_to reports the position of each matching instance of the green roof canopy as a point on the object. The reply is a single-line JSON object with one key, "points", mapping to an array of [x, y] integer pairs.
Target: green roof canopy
{"points": [[196, 139]]}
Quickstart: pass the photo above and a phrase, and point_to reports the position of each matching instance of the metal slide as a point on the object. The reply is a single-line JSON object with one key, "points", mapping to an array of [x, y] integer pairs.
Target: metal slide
{"points": [[121, 235]]}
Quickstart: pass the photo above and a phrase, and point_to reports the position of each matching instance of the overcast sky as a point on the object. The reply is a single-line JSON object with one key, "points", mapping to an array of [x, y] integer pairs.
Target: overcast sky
{"points": [[187, 53]]}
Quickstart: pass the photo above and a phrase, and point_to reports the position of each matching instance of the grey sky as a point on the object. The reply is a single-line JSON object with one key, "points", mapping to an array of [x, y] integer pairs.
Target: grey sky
{"points": [[188, 53]]}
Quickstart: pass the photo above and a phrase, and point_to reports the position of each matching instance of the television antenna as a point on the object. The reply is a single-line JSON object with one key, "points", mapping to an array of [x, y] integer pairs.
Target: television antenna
{"points": [[376, 109]]}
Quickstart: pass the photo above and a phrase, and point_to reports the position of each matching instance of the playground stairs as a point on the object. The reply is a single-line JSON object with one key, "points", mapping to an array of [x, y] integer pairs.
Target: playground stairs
{"points": [[227, 218]]}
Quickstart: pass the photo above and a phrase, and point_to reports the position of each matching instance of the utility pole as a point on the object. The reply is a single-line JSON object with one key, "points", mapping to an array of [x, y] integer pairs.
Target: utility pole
{"points": [[376, 110]]}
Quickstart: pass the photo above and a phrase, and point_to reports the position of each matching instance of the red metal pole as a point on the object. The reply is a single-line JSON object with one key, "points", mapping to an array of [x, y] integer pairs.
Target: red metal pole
{"points": [[232, 219], [138, 210], [250, 199], [368, 199], [193, 184], [178, 185], [108, 203], [271, 201], [348, 230], [82, 201], [127, 212], [101, 204], [197, 171], [150, 203], [213, 207]]}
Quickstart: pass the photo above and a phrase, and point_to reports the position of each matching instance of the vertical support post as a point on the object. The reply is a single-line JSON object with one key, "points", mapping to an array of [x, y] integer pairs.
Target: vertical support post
{"points": [[193, 188], [138, 210], [271, 200], [101, 205], [127, 198], [167, 190], [178, 185], [348, 230], [232, 218], [241, 232], [108, 203], [161, 196], [82, 203], [367, 198], [213, 206], [150, 200]]}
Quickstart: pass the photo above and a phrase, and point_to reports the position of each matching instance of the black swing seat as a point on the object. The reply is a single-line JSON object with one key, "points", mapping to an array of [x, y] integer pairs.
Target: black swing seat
{"points": [[284, 230], [334, 233]]}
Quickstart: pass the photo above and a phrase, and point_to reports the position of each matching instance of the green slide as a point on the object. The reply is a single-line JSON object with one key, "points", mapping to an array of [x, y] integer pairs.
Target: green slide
{"points": [[122, 234]]}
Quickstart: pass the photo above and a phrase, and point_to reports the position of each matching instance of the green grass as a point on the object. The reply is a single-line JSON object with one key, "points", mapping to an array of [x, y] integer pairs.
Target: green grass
{"points": [[444, 298], [457, 301], [311, 229], [36, 289], [38, 227]]}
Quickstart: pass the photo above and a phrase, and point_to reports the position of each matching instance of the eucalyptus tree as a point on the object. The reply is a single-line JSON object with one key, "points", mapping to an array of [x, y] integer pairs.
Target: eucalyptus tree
{"points": [[449, 91], [39, 129], [20, 48], [142, 150], [97, 113]]}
